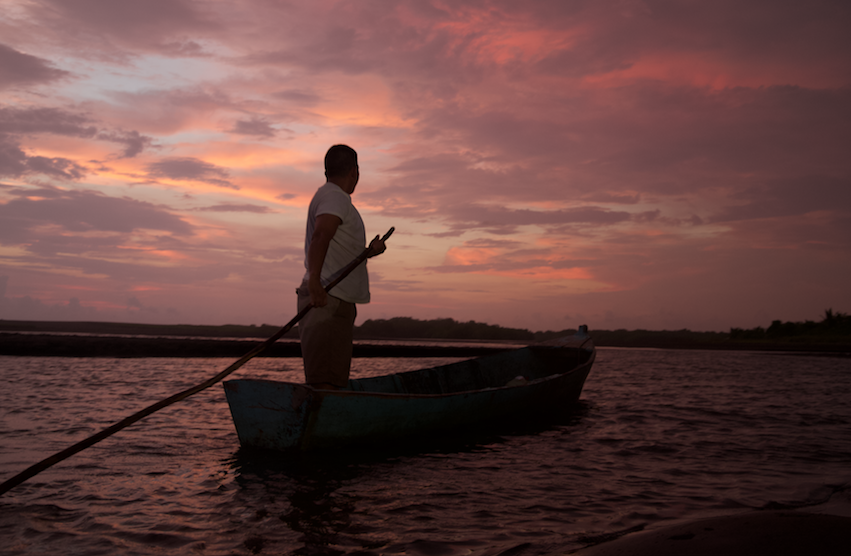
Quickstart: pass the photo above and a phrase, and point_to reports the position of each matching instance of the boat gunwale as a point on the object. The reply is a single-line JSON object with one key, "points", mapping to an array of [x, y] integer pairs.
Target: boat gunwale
{"points": [[396, 395]]}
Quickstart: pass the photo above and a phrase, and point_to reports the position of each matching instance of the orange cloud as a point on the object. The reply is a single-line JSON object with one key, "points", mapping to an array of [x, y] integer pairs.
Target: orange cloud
{"points": [[145, 288], [499, 262], [493, 36], [713, 70], [240, 154], [469, 257], [158, 256], [365, 100], [78, 287]]}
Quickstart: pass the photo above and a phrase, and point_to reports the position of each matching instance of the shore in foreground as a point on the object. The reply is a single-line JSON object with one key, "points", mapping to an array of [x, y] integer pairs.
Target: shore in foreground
{"points": [[775, 533]]}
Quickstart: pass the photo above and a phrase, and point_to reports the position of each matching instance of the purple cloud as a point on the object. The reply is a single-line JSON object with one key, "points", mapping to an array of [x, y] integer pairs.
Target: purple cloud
{"points": [[31, 121], [789, 197], [192, 169], [255, 127], [33, 216], [17, 68], [45, 120], [56, 167], [160, 25], [13, 161], [299, 96], [257, 209], [16, 163], [134, 142]]}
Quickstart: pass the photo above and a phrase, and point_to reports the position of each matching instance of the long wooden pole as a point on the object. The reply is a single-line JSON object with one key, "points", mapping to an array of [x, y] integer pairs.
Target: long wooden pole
{"points": [[46, 463]]}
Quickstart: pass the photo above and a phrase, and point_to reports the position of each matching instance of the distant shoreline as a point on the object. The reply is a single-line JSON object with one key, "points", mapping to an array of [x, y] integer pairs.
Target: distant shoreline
{"points": [[123, 340], [70, 345]]}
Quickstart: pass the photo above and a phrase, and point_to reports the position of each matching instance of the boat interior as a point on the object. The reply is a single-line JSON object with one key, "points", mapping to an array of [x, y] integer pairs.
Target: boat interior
{"points": [[511, 368]]}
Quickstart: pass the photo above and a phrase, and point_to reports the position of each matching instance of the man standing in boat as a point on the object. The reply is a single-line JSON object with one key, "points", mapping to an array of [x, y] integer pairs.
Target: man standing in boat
{"points": [[335, 235]]}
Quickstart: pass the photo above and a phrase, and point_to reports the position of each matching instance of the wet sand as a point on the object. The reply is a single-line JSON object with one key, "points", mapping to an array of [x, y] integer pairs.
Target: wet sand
{"points": [[775, 533]]}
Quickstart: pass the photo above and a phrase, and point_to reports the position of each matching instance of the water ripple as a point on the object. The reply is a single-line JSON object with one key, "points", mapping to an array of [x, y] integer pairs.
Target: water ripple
{"points": [[659, 435]]}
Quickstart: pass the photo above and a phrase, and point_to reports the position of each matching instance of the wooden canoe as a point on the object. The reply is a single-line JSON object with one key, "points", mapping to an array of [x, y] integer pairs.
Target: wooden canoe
{"points": [[512, 385]]}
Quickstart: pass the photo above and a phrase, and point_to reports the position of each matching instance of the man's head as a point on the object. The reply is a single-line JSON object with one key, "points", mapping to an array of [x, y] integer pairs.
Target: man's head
{"points": [[341, 167]]}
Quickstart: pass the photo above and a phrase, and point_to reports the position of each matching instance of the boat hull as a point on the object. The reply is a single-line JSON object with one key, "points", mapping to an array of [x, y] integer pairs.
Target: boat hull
{"points": [[508, 386]]}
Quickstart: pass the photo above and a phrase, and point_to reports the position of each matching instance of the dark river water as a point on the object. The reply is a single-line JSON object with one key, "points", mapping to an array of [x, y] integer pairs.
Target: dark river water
{"points": [[659, 435]]}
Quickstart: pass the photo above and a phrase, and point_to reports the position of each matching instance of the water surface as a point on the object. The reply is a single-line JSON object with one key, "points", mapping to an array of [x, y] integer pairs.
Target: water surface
{"points": [[658, 435]]}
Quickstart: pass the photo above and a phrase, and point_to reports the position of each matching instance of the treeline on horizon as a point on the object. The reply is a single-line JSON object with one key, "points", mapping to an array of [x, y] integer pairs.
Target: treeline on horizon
{"points": [[834, 328], [401, 328]]}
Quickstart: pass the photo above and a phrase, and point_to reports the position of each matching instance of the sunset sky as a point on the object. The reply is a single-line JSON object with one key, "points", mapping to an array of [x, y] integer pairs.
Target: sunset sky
{"points": [[546, 163]]}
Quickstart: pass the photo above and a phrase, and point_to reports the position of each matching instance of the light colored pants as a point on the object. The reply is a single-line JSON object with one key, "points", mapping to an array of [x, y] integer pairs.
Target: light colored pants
{"points": [[326, 339]]}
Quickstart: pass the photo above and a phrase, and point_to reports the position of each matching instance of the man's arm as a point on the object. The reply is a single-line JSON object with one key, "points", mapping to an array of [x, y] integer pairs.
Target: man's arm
{"points": [[324, 230]]}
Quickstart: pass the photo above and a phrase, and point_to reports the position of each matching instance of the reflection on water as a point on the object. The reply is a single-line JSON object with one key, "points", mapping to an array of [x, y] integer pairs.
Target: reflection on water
{"points": [[658, 435], [322, 496]]}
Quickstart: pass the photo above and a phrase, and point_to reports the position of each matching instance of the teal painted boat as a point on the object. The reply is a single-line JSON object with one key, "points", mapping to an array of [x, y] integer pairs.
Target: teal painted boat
{"points": [[541, 378]]}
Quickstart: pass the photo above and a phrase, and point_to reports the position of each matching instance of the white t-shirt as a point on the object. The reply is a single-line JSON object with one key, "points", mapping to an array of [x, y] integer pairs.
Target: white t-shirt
{"points": [[348, 242]]}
